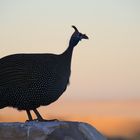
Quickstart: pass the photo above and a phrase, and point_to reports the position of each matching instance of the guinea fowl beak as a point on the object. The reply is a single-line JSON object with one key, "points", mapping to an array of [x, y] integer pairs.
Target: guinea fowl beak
{"points": [[84, 36]]}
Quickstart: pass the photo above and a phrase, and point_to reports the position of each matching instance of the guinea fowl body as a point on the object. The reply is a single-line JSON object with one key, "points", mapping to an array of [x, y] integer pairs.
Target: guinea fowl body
{"points": [[28, 81]]}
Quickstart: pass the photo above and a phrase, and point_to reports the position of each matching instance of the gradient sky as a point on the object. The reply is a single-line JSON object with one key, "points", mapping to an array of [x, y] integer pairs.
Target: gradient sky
{"points": [[107, 66]]}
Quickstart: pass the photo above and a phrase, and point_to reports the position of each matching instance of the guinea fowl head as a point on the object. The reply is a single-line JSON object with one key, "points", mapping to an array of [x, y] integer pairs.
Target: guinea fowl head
{"points": [[76, 37]]}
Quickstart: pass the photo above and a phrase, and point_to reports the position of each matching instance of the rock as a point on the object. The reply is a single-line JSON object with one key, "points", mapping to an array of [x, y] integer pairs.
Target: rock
{"points": [[54, 130]]}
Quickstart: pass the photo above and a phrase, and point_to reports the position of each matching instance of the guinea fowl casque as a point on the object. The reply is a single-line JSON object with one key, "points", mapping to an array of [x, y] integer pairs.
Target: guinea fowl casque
{"points": [[28, 81]]}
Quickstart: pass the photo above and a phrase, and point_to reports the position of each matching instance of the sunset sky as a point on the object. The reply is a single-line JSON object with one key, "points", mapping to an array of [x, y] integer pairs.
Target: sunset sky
{"points": [[104, 68]]}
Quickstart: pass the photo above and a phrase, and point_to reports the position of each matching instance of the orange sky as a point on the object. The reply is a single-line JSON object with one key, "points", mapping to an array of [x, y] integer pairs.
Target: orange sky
{"points": [[112, 118]]}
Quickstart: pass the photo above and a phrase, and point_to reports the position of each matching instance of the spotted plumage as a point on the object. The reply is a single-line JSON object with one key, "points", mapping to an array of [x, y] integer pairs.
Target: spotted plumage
{"points": [[28, 81]]}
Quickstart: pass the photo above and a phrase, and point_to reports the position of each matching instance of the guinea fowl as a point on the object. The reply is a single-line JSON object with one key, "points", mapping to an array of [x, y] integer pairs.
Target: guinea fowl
{"points": [[28, 81]]}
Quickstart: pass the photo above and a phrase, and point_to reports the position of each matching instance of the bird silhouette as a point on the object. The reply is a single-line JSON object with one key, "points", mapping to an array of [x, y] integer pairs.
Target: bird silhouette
{"points": [[28, 81]]}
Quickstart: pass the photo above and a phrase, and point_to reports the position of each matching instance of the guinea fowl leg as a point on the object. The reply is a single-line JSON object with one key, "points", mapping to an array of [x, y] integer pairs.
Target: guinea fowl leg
{"points": [[29, 115], [39, 117]]}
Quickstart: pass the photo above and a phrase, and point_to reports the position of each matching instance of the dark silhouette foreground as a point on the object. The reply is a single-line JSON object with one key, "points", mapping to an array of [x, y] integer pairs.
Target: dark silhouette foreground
{"points": [[28, 81]]}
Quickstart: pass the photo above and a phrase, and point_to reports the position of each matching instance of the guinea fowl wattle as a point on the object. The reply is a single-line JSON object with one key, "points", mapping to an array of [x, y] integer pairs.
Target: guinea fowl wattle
{"points": [[28, 81]]}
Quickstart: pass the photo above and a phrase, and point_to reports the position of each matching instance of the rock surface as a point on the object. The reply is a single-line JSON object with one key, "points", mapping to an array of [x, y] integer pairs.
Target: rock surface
{"points": [[56, 130]]}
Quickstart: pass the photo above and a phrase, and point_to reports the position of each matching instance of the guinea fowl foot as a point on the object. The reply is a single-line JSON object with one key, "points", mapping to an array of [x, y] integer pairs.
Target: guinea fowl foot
{"points": [[41, 120], [39, 117], [44, 120]]}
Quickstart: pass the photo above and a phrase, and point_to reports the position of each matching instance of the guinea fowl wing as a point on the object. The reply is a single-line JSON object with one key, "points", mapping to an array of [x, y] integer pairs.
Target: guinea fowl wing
{"points": [[21, 71]]}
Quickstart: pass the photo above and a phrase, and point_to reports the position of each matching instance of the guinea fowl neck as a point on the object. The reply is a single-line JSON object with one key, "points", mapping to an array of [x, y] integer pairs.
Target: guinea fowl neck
{"points": [[67, 54]]}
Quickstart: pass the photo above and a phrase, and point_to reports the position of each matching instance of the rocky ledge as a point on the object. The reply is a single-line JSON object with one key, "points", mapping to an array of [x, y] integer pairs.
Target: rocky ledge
{"points": [[56, 130]]}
